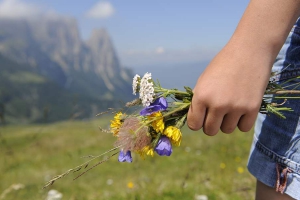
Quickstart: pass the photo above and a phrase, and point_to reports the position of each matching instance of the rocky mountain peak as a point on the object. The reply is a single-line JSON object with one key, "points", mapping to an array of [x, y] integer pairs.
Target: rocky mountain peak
{"points": [[60, 39], [98, 36], [54, 47], [105, 60], [102, 50]]}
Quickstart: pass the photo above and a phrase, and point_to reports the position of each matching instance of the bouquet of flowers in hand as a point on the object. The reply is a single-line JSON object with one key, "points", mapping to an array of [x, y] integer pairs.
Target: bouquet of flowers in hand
{"points": [[156, 128]]}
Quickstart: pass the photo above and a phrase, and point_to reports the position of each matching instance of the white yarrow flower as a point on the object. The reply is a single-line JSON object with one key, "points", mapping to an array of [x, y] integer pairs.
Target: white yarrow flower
{"points": [[135, 83], [54, 195], [146, 90]]}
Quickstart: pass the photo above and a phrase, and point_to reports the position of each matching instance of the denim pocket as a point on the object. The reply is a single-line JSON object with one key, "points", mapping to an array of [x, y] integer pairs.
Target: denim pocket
{"points": [[291, 65]]}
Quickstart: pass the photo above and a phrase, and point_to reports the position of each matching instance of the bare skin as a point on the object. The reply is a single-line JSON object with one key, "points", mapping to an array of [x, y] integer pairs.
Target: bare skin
{"points": [[228, 93], [264, 192]]}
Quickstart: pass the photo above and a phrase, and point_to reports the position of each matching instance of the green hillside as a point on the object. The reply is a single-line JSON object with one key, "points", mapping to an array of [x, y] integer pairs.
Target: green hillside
{"points": [[26, 96], [202, 165]]}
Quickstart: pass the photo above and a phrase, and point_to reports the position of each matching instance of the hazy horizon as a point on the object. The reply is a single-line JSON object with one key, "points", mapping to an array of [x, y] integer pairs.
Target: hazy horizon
{"points": [[144, 33]]}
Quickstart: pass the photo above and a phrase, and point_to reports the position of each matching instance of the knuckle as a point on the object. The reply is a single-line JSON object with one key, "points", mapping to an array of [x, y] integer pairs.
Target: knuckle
{"points": [[210, 132], [252, 107], [228, 129], [246, 124], [244, 128], [221, 106], [199, 100], [193, 126]]}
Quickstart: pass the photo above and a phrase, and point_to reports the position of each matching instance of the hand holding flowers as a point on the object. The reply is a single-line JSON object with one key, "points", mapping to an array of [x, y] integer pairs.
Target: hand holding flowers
{"points": [[157, 127]]}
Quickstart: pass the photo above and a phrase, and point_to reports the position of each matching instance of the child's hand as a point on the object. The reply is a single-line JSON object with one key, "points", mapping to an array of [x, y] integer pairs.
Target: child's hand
{"points": [[229, 92]]}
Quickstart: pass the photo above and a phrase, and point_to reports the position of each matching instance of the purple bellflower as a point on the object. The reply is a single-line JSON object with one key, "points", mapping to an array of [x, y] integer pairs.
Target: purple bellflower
{"points": [[159, 104], [163, 147], [125, 157]]}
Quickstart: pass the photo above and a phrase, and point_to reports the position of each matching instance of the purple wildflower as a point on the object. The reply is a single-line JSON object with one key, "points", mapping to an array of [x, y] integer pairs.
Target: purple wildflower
{"points": [[125, 158], [163, 147], [159, 104]]}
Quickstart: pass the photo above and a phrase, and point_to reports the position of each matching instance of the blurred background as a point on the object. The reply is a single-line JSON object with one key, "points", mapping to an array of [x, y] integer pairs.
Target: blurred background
{"points": [[70, 59], [63, 61]]}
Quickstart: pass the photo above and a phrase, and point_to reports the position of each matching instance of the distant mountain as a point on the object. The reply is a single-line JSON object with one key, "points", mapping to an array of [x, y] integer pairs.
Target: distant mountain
{"points": [[26, 96], [46, 60]]}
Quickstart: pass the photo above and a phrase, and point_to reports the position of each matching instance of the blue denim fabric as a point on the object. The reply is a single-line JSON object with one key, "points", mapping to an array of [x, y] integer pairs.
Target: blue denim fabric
{"points": [[276, 143]]}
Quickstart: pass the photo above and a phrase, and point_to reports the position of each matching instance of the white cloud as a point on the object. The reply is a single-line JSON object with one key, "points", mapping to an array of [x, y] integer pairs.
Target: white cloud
{"points": [[18, 9], [159, 50], [101, 10]]}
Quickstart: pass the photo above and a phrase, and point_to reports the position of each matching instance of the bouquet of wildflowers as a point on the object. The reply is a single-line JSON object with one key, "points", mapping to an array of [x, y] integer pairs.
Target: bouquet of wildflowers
{"points": [[156, 128]]}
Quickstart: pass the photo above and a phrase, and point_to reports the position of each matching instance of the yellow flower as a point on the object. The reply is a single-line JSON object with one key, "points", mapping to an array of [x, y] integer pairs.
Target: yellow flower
{"points": [[116, 123], [130, 185], [240, 170], [157, 122], [222, 165], [174, 134], [237, 159], [147, 150]]}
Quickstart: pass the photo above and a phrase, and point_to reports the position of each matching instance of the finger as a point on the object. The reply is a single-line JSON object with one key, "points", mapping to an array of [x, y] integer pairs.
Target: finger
{"points": [[247, 121], [230, 122], [196, 115], [213, 122]]}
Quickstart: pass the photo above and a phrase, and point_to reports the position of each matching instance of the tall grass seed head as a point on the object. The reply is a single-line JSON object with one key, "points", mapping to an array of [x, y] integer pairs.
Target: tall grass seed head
{"points": [[133, 135], [134, 102]]}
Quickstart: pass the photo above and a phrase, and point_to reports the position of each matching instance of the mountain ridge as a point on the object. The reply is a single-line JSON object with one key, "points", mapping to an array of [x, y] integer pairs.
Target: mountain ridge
{"points": [[52, 51]]}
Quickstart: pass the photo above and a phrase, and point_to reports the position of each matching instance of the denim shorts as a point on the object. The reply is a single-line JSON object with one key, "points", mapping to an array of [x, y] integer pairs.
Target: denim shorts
{"points": [[275, 153]]}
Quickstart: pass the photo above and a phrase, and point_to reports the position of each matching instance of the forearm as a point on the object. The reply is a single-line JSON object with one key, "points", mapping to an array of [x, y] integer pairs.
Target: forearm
{"points": [[229, 91], [265, 26]]}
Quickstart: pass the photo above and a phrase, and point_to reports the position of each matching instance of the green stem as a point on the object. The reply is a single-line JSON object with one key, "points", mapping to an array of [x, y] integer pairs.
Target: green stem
{"points": [[170, 91], [185, 105], [284, 92], [154, 144], [289, 80], [287, 97], [181, 122]]}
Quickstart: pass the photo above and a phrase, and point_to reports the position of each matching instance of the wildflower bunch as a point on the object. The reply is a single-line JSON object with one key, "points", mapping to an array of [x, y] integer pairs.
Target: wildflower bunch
{"points": [[158, 125], [156, 128]]}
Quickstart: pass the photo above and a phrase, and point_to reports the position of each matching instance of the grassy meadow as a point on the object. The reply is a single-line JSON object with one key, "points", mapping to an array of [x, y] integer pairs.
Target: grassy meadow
{"points": [[32, 154]]}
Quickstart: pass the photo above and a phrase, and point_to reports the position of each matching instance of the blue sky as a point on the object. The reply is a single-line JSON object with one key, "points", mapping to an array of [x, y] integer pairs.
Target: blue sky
{"points": [[149, 32]]}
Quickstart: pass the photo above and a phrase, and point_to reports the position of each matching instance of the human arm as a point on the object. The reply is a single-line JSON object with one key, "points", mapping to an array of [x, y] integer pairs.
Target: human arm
{"points": [[228, 93]]}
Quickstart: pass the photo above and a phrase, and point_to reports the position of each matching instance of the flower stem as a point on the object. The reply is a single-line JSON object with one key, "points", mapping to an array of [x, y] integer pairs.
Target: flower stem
{"points": [[283, 92]]}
